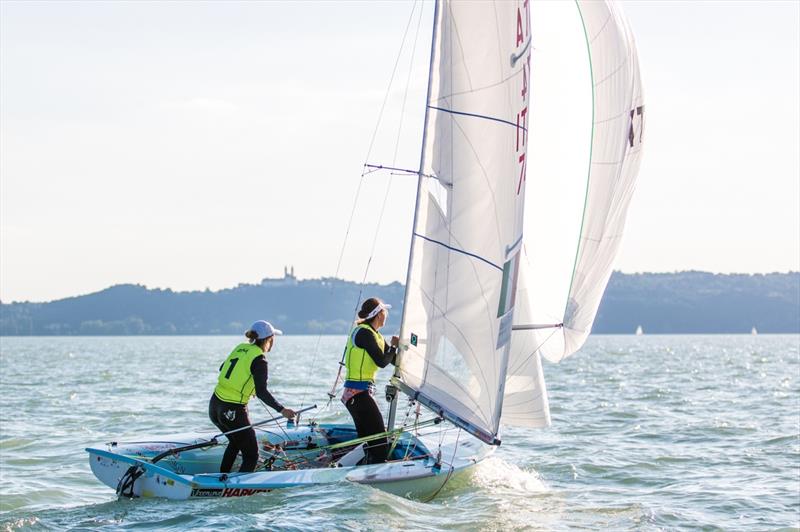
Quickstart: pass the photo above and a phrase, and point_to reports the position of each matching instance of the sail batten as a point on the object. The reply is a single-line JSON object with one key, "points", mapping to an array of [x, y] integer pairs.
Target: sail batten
{"points": [[485, 117], [457, 250]]}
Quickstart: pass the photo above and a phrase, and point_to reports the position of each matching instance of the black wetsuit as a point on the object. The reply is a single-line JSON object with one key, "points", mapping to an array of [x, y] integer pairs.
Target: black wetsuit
{"points": [[230, 416], [366, 414]]}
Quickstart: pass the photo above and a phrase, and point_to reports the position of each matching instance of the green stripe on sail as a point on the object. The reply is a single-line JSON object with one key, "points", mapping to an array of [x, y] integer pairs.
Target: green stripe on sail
{"points": [[589, 171]]}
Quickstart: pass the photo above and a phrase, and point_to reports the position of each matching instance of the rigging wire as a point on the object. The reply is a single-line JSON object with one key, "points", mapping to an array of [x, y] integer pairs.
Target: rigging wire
{"points": [[276, 420], [358, 193], [394, 159], [360, 184], [382, 211], [450, 472], [524, 362]]}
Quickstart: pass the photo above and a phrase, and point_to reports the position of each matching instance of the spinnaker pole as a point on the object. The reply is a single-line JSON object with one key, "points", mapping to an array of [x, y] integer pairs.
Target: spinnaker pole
{"points": [[399, 358]]}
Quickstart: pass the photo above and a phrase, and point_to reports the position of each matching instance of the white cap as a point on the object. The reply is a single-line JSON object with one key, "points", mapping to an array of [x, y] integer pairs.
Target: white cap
{"points": [[376, 310], [264, 329]]}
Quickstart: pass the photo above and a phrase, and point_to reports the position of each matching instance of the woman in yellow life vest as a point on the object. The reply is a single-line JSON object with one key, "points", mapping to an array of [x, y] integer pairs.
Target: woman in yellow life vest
{"points": [[242, 376], [365, 353]]}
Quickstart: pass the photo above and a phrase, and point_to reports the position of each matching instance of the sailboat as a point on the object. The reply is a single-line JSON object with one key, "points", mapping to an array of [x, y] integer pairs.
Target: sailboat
{"points": [[639, 330], [507, 264]]}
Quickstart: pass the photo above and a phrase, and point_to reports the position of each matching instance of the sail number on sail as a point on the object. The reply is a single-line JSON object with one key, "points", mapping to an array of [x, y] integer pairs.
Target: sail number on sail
{"points": [[522, 44]]}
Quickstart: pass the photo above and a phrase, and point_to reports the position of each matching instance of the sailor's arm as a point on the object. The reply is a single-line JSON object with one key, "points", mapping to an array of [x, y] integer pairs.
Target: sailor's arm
{"points": [[366, 341], [260, 373]]}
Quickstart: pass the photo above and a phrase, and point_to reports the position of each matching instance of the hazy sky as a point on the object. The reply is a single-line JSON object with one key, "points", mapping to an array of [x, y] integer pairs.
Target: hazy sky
{"points": [[192, 145]]}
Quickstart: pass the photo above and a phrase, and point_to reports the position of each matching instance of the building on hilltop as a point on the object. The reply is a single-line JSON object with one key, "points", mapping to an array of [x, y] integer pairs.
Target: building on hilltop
{"points": [[288, 279]]}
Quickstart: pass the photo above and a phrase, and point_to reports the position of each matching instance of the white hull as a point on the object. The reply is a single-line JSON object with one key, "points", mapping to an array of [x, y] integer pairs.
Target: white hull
{"points": [[194, 474]]}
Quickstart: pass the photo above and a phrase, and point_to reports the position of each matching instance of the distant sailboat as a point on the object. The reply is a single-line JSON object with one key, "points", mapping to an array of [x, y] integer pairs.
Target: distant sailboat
{"points": [[640, 332], [754, 331]]}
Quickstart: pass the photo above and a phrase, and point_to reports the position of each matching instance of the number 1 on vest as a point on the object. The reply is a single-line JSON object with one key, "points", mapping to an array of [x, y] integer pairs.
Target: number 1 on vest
{"points": [[230, 369]]}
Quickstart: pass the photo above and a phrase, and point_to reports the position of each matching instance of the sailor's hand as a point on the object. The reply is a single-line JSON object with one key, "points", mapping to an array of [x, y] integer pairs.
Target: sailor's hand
{"points": [[395, 341], [288, 413]]}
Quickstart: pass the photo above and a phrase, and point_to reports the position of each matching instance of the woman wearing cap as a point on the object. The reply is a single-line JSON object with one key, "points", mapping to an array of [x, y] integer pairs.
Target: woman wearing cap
{"points": [[241, 376], [365, 353]]}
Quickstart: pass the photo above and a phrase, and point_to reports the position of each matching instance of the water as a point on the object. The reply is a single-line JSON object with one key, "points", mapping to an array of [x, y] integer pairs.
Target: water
{"points": [[649, 432]]}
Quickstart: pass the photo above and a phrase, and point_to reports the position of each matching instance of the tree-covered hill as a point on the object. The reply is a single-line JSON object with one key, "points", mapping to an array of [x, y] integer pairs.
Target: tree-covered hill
{"points": [[684, 302], [313, 306], [700, 302]]}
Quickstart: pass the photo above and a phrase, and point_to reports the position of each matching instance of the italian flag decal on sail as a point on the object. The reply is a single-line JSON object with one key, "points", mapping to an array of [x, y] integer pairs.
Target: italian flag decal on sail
{"points": [[508, 295], [508, 292]]}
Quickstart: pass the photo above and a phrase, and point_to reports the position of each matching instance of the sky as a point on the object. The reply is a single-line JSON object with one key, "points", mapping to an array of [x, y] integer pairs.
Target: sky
{"points": [[197, 145]]}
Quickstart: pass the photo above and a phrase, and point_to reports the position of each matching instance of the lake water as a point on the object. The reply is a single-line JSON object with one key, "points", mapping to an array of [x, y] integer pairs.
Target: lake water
{"points": [[649, 433]]}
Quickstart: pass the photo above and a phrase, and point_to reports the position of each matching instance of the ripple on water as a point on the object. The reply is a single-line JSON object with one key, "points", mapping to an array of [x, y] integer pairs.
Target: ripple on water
{"points": [[674, 433], [16, 524], [9, 444]]}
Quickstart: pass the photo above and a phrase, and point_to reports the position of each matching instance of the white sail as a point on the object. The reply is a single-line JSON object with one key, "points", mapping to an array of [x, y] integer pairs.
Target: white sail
{"points": [[466, 246], [586, 140], [525, 402]]}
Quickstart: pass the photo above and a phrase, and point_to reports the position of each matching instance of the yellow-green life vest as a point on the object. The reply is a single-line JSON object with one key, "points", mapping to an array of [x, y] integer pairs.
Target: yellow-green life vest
{"points": [[235, 383], [360, 366]]}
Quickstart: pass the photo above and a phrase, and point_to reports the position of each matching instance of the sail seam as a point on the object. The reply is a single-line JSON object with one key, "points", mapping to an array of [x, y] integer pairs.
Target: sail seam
{"points": [[522, 363], [485, 177], [470, 351], [451, 248], [478, 89], [499, 40], [455, 31], [458, 385], [526, 399], [485, 117], [623, 114], [603, 28], [612, 74]]}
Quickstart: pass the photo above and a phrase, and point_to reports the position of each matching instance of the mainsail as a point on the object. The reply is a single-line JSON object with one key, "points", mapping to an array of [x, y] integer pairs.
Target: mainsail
{"points": [[465, 251], [601, 101]]}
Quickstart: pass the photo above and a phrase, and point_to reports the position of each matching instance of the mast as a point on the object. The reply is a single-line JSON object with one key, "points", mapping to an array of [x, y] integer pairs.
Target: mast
{"points": [[393, 405]]}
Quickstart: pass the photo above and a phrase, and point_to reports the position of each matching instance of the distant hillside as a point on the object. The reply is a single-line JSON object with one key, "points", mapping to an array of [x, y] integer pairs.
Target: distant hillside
{"points": [[685, 302], [700, 302], [296, 307]]}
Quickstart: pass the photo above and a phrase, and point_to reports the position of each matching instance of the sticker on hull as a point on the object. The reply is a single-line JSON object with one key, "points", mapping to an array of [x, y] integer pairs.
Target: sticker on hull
{"points": [[227, 492]]}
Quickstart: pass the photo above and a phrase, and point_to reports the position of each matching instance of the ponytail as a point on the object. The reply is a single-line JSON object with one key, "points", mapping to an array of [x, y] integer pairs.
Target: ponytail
{"points": [[366, 308], [253, 337]]}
